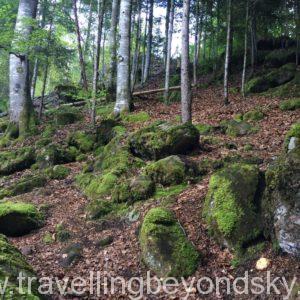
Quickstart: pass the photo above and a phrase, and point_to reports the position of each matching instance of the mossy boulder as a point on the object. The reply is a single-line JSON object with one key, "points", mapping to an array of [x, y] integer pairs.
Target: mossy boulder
{"points": [[280, 57], [291, 104], [272, 79], [204, 128], [106, 131], [165, 247], [58, 172], [18, 160], [292, 138], [163, 139], [54, 154], [235, 128], [253, 115], [24, 185], [139, 117], [66, 115], [83, 141], [18, 218], [66, 93], [12, 263], [231, 208], [280, 204]]}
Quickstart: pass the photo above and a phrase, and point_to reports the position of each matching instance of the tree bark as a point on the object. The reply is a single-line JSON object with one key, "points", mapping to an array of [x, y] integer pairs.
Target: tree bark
{"points": [[165, 51], [123, 101], [21, 109], [112, 40], [80, 52], [34, 77], [297, 10], [245, 50], [196, 56], [137, 46], [227, 56], [186, 97], [253, 40], [149, 42], [88, 34], [169, 51], [144, 42], [97, 59]]}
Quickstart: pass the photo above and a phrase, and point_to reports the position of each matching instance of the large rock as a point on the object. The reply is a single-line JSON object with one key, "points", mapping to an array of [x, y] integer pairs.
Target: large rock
{"points": [[18, 218], [272, 79], [67, 115], [292, 139], [165, 248], [12, 263], [162, 139], [232, 206], [281, 202], [19, 160], [237, 128]]}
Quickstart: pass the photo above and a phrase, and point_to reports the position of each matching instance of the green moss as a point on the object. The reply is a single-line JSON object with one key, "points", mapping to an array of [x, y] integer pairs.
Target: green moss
{"points": [[62, 234], [293, 132], [171, 191], [105, 111], [238, 117], [48, 131], [291, 104], [19, 160], [139, 117], [18, 218], [280, 57], [24, 185], [58, 172], [248, 147], [43, 142], [81, 157], [204, 128], [235, 129], [165, 248], [253, 115], [230, 207], [106, 131], [83, 141], [98, 209], [65, 115], [11, 264], [47, 238], [162, 139]]}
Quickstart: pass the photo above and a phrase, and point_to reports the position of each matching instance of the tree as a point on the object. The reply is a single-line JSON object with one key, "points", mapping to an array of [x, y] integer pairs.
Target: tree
{"points": [[21, 110], [227, 55], [245, 50], [169, 51], [149, 42], [112, 40], [297, 13], [186, 97], [123, 100], [196, 55], [80, 52]]}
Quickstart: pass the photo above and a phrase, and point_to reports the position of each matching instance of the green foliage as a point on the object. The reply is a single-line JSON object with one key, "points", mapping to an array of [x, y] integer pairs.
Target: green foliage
{"points": [[204, 128], [253, 115], [57, 172], [291, 104], [136, 117]]}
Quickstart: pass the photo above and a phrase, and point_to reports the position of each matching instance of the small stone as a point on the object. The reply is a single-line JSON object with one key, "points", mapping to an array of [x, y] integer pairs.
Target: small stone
{"points": [[262, 264], [26, 250]]}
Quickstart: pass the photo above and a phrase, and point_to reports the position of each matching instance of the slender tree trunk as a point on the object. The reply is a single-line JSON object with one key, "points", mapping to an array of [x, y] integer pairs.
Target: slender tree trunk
{"points": [[149, 43], [227, 56], [200, 36], [297, 10], [103, 66], [245, 50], [80, 52], [123, 101], [186, 97], [21, 109], [195, 61], [144, 43], [169, 52], [253, 41], [88, 34], [97, 59], [34, 77], [112, 40], [137, 47], [165, 51], [204, 39]]}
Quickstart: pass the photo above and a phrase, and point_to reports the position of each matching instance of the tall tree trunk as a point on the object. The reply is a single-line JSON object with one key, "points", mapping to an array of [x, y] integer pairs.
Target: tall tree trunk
{"points": [[80, 52], [144, 42], [165, 51], [149, 42], [123, 101], [253, 40], [88, 34], [21, 109], [186, 97], [195, 61], [97, 59], [112, 40], [34, 77], [245, 50], [297, 10], [103, 66], [169, 52], [137, 47], [227, 55]]}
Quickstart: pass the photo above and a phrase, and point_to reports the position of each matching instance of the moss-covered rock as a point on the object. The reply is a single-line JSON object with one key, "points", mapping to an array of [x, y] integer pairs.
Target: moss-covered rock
{"points": [[165, 248], [234, 128], [253, 115], [280, 57], [18, 218], [107, 130], [66, 115], [273, 79], [280, 204], [139, 117], [12, 263], [83, 141], [43, 142], [57, 172], [231, 206], [54, 154], [291, 104], [62, 234], [292, 138], [18, 160], [204, 128], [162, 139], [24, 185]]}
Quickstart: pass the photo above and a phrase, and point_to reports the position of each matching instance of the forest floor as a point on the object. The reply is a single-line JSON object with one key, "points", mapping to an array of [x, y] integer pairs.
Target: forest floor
{"points": [[122, 257]]}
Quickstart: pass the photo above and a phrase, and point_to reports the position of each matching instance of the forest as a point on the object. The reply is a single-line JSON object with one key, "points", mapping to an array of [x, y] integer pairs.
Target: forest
{"points": [[149, 149]]}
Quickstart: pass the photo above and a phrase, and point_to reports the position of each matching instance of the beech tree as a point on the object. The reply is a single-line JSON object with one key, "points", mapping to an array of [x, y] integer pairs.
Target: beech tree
{"points": [[21, 110], [123, 100], [245, 50], [186, 97]]}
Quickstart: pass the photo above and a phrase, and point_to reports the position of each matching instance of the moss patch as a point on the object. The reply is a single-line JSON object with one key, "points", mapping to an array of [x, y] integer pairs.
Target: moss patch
{"points": [[291, 104], [139, 117], [165, 248], [234, 128], [293, 132], [66, 115], [204, 128], [58, 172], [83, 141], [253, 115]]}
